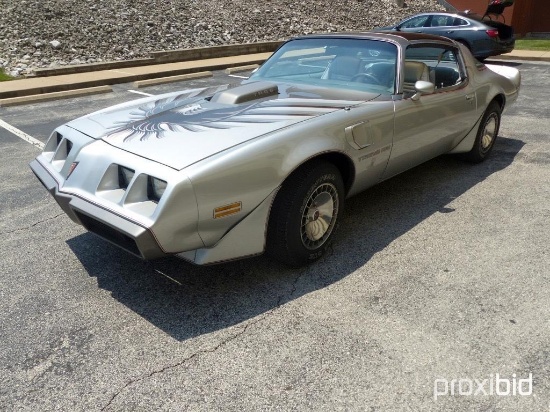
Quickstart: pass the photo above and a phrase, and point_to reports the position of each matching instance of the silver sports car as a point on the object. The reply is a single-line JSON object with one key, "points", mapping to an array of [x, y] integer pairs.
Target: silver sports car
{"points": [[266, 165]]}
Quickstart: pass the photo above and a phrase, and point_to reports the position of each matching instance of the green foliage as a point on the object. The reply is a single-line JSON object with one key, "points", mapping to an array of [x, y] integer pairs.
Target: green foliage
{"points": [[4, 76], [533, 44]]}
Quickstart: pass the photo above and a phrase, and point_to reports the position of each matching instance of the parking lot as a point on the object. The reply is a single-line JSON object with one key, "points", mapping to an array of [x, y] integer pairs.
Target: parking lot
{"points": [[438, 280]]}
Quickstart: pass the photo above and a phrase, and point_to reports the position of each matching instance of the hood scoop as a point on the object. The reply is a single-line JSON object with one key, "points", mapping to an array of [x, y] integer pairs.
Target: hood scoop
{"points": [[245, 93]]}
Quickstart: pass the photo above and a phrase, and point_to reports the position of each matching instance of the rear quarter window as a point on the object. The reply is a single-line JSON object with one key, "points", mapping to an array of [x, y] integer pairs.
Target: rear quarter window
{"points": [[444, 64]]}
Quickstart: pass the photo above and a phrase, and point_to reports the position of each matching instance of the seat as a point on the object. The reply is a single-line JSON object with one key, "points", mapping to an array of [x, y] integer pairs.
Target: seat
{"points": [[444, 77], [414, 71], [384, 73], [343, 68]]}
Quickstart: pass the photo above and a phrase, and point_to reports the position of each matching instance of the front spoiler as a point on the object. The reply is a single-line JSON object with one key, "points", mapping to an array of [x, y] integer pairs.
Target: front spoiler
{"points": [[118, 230]]}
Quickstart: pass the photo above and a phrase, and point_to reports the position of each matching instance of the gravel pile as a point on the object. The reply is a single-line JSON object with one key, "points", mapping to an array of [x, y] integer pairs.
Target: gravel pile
{"points": [[51, 33]]}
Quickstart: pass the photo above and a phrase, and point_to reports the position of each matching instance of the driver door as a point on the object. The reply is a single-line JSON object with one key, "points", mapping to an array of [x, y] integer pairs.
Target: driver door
{"points": [[435, 123]]}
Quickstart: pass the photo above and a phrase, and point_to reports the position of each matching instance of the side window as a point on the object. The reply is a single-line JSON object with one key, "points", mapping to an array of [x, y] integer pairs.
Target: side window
{"points": [[415, 22], [441, 21], [443, 65]]}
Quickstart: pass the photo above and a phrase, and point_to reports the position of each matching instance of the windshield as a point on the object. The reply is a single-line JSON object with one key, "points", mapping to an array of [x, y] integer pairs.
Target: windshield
{"points": [[354, 64]]}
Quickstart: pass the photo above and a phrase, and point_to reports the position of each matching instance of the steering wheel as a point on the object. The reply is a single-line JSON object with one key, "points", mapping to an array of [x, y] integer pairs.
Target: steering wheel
{"points": [[366, 76]]}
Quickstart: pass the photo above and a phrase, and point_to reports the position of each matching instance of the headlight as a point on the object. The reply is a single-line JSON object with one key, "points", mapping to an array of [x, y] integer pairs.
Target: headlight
{"points": [[155, 188]]}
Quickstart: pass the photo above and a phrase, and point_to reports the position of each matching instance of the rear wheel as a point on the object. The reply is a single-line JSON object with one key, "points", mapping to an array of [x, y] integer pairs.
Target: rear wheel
{"points": [[305, 214], [486, 134]]}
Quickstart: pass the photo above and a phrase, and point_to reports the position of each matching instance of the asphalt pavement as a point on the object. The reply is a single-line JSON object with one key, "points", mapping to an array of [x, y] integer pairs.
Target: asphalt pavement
{"points": [[435, 296]]}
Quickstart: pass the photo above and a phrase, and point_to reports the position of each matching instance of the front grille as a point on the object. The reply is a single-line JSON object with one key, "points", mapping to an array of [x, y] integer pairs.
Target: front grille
{"points": [[109, 233]]}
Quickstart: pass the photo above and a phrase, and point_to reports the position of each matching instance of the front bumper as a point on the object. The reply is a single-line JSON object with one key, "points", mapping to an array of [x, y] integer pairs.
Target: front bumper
{"points": [[129, 235]]}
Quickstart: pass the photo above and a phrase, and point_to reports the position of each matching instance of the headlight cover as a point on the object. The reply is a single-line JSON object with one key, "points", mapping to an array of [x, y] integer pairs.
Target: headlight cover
{"points": [[155, 188], [125, 176]]}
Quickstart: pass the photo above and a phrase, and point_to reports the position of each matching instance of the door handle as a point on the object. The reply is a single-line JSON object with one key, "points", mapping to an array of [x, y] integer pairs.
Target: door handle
{"points": [[470, 96], [450, 31]]}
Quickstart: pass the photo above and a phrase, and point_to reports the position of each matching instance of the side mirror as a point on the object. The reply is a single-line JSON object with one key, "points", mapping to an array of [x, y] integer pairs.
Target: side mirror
{"points": [[422, 87]]}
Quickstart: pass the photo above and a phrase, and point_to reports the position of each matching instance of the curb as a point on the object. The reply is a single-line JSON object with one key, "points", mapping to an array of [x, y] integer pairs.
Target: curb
{"points": [[66, 82], [162, 80], [522, 58], [15, 101], [166, 56]]}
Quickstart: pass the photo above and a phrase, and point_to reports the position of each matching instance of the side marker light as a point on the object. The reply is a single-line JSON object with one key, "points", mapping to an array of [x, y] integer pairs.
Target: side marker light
{"points": [[227, 210]]}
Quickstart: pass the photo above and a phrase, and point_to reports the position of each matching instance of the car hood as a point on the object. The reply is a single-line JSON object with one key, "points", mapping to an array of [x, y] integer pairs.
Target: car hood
{"points": [[180, 129]]}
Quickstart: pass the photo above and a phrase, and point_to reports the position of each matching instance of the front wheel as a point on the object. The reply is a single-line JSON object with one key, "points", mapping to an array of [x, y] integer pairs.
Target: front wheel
{"points": [[305, 214], [486, 134]]}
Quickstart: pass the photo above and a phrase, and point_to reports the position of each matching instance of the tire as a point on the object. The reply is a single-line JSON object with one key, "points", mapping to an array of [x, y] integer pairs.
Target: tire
{"points": [[486, 134], [299, 230]]}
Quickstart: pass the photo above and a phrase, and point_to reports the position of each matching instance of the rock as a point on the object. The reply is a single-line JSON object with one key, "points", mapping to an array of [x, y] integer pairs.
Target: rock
{"points": [[128, 29]]}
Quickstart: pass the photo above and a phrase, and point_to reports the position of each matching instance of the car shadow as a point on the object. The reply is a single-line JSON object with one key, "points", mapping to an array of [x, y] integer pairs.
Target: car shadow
{"points": [[502, 62], [186, 301]]}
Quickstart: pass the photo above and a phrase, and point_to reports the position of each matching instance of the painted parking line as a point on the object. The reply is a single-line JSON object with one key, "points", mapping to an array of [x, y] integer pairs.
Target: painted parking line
{"points": [[22, 135], [138, 92], [190, 92], [37, 143], [169, 277]]}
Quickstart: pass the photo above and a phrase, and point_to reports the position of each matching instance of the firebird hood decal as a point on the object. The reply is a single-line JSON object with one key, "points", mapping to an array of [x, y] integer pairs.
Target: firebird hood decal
{"points": [[158, 119], [178, 130]]}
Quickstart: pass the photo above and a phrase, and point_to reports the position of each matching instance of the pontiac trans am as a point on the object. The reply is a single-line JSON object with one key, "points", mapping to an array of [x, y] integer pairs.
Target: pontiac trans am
{"points": [[265, 166]]}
